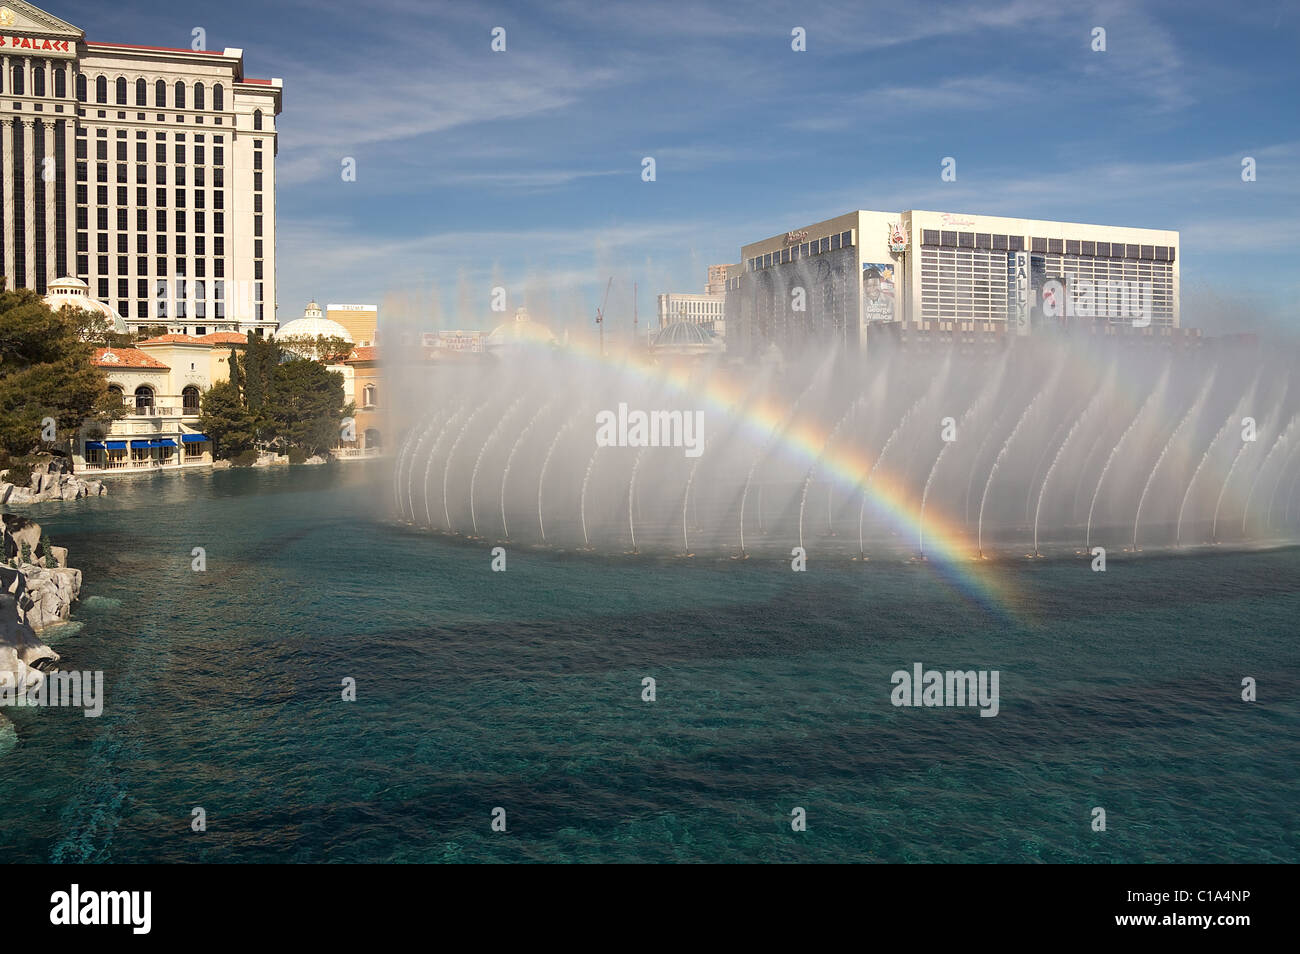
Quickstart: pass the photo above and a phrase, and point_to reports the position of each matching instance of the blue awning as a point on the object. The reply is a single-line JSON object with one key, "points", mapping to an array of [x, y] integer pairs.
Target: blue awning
{"points": [[94, 445], [136, 444], [194, 438], [164, 442], [117, 445]]}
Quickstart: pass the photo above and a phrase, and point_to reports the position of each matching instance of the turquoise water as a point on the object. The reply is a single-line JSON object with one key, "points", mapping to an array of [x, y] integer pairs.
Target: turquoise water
{"points": [[523, 690]]}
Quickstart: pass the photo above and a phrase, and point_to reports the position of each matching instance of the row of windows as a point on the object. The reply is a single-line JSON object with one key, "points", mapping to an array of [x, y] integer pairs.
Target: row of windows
{"points": [[1016, 243], [827, 243], [182, 95], [179, 150], [963, 283]]}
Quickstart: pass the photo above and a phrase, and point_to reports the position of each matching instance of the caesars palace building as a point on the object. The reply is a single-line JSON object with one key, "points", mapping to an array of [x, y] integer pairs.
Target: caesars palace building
{"points": [[146, 172], [840, 280]]}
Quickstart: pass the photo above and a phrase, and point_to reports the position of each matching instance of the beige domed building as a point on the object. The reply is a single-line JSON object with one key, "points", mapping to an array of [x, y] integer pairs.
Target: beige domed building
{"points": [[518, 332], [313, 324], [74, 293]]}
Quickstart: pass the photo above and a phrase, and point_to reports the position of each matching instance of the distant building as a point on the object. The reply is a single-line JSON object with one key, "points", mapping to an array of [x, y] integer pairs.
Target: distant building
{"points": [[161, 382], [364, 388], [307, 329], [74, 293], [361, 322], [834, 282], [146, 172], [518, 332], [707, 310]]}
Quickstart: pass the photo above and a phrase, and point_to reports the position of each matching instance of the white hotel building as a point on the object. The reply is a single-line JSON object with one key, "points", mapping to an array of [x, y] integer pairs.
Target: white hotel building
{"points": [[945, 272], [146, 172]]}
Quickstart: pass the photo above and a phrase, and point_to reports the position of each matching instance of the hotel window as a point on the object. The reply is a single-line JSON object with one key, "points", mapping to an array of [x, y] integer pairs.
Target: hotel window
{"points": [[1088, 248], [1016, 243], [141, 90], [180, 95], [81, 87], [218, 97], [180, 198], [16, 81], [38, 81], [966, 239], [121, 90], [60, 83], [835, 242], [161, 244], [929, 237], [804, 249], [257, 160], [1038, 245], [948, 239], [257, 119], [1056, 246], [846, 238], [198, 96], [180, 220], [160, 217], [160, 94], [180, 175]]}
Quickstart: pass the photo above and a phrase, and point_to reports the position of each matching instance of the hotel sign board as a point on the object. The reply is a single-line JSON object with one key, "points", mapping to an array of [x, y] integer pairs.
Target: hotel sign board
{"points": [[1018, 292], [38, 45], [471, 342]]}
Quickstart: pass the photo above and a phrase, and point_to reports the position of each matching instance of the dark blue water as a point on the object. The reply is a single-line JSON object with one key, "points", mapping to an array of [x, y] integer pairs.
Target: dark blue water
{"points": [[523, 690]]}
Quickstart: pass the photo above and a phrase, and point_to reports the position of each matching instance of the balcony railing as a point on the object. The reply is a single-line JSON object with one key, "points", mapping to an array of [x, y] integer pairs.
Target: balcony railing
{"points": [[357, 451]]}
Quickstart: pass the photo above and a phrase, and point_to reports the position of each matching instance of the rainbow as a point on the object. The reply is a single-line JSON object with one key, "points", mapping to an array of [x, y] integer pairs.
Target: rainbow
{"points": [[949, 548]]}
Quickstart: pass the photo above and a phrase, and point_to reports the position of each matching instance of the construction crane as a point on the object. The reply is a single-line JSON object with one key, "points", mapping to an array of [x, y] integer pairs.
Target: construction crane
{"points": [[600, 315]]}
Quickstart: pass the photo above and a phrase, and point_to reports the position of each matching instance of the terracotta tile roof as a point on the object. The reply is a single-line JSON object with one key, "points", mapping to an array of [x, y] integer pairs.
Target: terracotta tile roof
{"points": [[260, 82], [223, 337], [170, 337], [363, 354], [125, 358]]}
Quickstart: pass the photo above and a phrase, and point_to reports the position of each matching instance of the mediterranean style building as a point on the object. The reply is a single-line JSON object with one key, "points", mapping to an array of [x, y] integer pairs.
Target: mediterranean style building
{"points": [[146, 172]]}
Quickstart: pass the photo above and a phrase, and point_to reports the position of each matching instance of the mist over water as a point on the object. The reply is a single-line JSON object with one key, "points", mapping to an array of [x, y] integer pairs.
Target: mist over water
{"points": [[1048, 447]]}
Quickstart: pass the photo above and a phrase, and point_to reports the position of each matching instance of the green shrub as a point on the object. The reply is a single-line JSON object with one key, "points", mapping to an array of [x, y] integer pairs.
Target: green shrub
{"points": [[244, 458], [20, 472]]}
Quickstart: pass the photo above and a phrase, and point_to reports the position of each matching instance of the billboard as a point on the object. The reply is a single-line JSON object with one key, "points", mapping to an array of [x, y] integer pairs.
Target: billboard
{"points": [[877, 291]]}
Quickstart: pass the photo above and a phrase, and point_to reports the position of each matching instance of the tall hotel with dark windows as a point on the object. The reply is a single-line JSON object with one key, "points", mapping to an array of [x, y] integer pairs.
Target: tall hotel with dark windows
{"points": [[146, 172], [948, 276]]}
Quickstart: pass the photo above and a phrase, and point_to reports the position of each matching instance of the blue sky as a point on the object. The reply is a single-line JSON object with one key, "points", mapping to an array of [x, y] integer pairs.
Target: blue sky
{"points": [[523, 168]]}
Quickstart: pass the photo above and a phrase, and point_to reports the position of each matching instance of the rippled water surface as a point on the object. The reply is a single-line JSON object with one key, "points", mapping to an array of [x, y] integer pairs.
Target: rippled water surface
{"points": [[523, 690]]}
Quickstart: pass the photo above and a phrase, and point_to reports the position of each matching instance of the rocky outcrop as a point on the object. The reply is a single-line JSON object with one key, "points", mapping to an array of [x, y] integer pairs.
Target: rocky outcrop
{"points": [[22, 655], [50, 481], [39, 581]]}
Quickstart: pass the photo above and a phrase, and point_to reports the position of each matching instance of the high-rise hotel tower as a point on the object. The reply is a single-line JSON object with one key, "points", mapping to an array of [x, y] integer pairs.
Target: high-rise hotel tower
{"points": [[147, 172]]}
